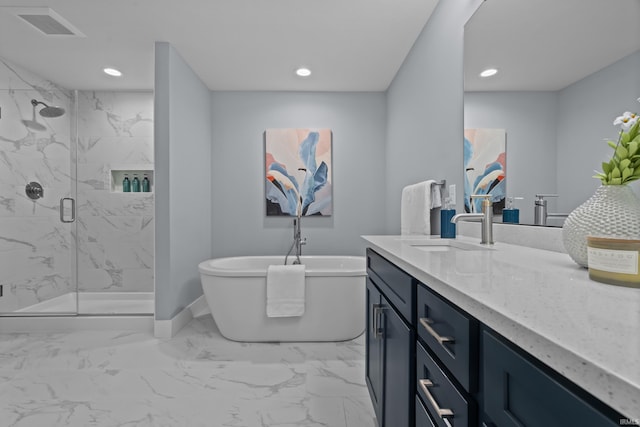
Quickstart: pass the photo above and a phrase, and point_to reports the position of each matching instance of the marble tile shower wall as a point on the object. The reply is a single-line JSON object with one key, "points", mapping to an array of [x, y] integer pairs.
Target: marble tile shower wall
{"points": [[115, 230], [36, 249]]}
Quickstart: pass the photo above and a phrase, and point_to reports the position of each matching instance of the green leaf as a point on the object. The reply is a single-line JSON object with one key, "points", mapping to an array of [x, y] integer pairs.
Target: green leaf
{"points": [[615, 173], [622, 152], [616, 181], [625, 137], [633, 147], [626, 173], [633, 132], [612, 144], [624, 164], [605, 167]]}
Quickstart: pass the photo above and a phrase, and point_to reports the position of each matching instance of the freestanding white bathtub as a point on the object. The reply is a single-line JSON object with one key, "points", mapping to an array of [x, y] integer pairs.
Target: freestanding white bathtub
{"points": [[236, 291]]}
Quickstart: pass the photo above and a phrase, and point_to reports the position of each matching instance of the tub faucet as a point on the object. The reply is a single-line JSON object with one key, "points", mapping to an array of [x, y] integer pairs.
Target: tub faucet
{"points": [[486, 217], [298, 240]]}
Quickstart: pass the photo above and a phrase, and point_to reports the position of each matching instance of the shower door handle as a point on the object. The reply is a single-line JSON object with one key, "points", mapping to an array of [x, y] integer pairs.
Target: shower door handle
{"points": [[73, 209]]}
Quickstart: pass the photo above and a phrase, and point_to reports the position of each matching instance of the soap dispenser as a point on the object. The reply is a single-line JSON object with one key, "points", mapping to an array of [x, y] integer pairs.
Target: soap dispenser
{"points": [[510, 214], [447, 228]]}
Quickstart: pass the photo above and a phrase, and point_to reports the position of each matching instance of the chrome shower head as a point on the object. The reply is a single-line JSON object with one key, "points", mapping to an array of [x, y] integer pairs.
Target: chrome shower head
{"points": [[48, 111], [33, 123]]}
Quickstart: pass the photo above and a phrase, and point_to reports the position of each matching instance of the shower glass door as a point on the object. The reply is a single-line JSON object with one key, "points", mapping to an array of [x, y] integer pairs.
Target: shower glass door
{"points": [[37, 201]]}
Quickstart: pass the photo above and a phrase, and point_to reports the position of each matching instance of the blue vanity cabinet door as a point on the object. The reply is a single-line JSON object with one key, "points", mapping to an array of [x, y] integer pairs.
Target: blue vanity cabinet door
{"points": [[399, 358], [390, 361], [518, 393], [373, 345]]}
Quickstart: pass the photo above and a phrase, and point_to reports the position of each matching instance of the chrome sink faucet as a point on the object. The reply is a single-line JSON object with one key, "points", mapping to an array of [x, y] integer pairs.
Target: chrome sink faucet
{"points": [[540, 213], [486, 217]]}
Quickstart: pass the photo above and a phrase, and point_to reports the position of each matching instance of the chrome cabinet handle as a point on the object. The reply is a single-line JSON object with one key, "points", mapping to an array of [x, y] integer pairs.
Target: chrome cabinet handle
{"points": [[442, 413], [73, 209], [378, 331], [426, 323]]}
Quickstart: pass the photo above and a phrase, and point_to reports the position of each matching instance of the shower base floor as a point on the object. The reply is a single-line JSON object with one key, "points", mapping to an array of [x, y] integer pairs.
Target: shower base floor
{"points": [[98, 303]]}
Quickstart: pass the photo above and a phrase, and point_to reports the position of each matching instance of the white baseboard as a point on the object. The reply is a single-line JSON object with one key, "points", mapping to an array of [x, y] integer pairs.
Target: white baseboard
{"points": [[169, 328], [200, 307], [29, 324]]}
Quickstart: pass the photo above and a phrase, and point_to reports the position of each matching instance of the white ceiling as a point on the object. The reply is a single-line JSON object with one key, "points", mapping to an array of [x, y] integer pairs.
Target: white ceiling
{"points": [[350, 45], [547, 44]]}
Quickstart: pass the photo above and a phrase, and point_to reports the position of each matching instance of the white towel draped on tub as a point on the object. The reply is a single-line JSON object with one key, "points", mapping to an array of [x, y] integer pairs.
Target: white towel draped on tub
{"points": [[285, 290], [415, 208]]}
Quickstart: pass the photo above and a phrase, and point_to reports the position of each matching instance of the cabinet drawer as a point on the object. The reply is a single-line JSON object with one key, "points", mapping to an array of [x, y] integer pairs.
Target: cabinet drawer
{"points": [[440, 394], [394, 283], [450, 334], [422, 418], [519, 393]]}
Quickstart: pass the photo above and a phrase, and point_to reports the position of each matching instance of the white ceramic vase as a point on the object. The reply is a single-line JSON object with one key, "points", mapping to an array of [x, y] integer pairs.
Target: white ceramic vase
{"points": [[613, 211]]}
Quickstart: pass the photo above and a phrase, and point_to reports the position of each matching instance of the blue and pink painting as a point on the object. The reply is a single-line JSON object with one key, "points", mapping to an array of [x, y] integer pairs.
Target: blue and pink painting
{"points": [[298, 172], [485, 167]]}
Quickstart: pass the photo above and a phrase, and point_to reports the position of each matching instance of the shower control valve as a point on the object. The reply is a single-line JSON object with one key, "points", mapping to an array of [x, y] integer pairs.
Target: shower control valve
{"points": [[34, 190]]}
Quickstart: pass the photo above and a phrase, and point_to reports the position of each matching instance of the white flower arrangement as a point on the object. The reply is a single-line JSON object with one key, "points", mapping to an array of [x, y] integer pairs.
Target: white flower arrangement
{"points": [[624, 165]]}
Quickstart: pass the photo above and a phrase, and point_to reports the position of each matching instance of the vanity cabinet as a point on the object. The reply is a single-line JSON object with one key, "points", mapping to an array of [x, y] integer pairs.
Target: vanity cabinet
{"points": [[518, 392], [431, 364], [390, 344]]}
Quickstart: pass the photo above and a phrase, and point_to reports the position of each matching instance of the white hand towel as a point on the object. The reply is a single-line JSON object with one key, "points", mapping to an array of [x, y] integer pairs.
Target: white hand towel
{"points": [[436, 195], [285, 290], [415, 208]]}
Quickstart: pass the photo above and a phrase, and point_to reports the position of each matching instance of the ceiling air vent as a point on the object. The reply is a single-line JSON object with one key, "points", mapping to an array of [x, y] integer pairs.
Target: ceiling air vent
{"points": [[47, 21]]}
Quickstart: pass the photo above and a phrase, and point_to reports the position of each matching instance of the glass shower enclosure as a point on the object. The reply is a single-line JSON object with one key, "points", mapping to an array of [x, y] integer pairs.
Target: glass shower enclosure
{"points": [[38, 262], [71, 241]]}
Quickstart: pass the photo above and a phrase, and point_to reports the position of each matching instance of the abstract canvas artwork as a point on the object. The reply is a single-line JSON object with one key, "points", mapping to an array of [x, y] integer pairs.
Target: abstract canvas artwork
{"points": [[298, 172], [485, 167]]}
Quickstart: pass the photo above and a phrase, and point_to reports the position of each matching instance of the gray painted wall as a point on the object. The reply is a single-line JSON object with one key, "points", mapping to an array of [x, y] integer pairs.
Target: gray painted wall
{"points": [[425, 108], [239, 224], [529, 119], [586, 113], [183, 181]]}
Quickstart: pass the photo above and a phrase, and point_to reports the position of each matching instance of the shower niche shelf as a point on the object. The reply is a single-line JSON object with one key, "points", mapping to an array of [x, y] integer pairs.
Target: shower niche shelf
{"points": [[117, 176]]}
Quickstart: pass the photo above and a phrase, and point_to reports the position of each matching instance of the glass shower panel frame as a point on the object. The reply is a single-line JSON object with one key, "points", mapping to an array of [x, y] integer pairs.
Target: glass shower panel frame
{"points": [[38, 256]]}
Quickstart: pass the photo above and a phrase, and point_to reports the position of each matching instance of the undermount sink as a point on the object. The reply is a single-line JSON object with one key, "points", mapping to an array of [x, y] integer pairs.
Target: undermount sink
{"points": [[441, 245]]}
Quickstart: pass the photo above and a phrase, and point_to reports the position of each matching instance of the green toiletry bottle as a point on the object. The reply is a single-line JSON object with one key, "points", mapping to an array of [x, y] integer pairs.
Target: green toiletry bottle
{"points": [[146, 185], [126, 184], [135, 184]]}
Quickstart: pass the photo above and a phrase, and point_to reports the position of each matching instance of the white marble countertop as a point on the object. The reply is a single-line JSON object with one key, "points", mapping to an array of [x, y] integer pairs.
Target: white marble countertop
{"points": [[542, 301]]}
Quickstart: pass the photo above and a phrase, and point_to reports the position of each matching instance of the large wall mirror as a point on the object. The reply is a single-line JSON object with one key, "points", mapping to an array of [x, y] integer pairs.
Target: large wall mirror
{"points": [[566, 69]]}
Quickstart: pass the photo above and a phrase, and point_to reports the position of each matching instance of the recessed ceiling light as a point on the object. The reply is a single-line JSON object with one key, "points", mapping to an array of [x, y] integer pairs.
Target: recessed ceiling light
{"points": [[112, 72], [489, 72], [303, 72]]}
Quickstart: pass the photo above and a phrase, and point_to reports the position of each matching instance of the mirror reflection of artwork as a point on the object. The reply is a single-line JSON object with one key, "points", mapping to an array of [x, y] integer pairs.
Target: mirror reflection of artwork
{"points": [[298, 172], [485, 167]]}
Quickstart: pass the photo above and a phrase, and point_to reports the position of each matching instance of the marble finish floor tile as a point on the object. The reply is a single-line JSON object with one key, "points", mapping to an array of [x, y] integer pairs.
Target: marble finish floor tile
{"points": [[197, 378]]}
